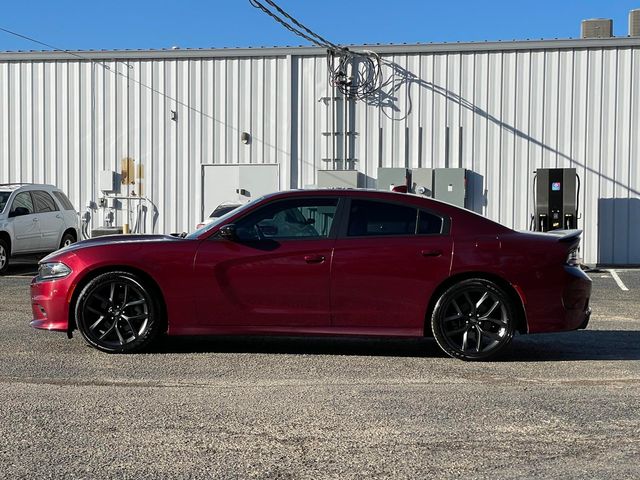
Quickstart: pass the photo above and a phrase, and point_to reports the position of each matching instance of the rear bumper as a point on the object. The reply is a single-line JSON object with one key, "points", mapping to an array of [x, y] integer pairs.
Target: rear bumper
{"points": [[49, 305], [562, 306], [575, 299]]}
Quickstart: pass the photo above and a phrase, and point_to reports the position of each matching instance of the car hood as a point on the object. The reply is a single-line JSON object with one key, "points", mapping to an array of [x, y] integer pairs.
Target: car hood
{"points": [[114, 239]]}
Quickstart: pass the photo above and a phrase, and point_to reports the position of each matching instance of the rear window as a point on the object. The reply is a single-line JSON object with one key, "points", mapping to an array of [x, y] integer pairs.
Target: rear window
{"points": [[64, 201], [44, 202]]}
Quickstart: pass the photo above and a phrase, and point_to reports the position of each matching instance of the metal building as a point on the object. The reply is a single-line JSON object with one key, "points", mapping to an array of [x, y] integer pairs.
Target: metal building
{"points": [[500, 109]]}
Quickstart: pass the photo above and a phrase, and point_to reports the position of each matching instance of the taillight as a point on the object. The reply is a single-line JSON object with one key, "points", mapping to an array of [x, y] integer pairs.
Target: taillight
{"points": [[573, 258]]}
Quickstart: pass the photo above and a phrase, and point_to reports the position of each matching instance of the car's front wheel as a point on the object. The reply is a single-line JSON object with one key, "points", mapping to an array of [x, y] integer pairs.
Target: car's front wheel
{"points": [[4, 257], [117, 313], [473, 320]]}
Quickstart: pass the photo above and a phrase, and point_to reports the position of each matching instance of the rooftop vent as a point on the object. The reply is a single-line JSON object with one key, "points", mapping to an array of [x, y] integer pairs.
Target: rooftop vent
{"points": [[634, 23], [597, 28]]}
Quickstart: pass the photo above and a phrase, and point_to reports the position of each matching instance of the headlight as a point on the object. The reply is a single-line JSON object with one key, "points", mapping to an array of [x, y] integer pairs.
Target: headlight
{"points": [[50, 271]]}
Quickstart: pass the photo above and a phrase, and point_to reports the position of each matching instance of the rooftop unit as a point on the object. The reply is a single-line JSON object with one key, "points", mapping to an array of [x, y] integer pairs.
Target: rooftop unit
{"points": [[597, 28], [634, 23]]}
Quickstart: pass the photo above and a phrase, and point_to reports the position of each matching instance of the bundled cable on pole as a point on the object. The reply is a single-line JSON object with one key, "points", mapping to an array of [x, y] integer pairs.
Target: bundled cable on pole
{"points": [[355, 74]]}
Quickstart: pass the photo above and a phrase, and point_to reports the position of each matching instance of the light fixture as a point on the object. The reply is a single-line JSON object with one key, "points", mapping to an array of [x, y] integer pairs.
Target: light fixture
{"points": [[245, 137]]}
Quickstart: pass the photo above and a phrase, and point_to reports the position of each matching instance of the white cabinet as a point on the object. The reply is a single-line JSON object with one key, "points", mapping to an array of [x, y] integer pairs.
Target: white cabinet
{"points": [[237, 184]]}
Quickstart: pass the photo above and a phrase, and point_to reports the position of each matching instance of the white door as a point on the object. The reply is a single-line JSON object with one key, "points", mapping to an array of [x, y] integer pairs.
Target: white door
{"points": [[26, 228], [52, 223], [236, 184], [257, 180]]}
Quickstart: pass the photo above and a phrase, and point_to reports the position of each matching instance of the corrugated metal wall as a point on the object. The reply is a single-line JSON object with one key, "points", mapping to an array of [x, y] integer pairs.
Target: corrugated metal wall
{"points": [[500, 113]]}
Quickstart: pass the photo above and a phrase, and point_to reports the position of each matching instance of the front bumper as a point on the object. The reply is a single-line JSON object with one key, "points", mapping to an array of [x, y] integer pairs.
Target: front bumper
{"points": [[49, 304]]}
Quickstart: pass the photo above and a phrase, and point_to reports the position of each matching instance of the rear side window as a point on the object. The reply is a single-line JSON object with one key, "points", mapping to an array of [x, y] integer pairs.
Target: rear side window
{"points": [[64, 201], [371, 218], [429, 224], [23, 200], [44, 202]]}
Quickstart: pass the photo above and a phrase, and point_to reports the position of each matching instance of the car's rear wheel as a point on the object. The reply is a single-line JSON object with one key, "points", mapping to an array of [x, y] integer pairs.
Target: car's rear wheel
{"points": [[67, 240], [473, 320], [4, 257], [116, 313]]}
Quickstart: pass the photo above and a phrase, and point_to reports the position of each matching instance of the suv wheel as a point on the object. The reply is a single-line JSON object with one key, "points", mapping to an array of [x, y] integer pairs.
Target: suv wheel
{"points": [[4, 257], [67, 240]]}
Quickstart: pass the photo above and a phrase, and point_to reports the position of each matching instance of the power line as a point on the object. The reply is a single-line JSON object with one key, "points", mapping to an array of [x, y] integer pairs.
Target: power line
{"points": [[115, 71], [355, 74]]}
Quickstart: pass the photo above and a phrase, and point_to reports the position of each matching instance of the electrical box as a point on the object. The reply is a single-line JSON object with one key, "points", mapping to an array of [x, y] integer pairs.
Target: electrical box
{"points": [[450, 185], [340, 179], [108, 181], [422, 181], [392, 177], [556, 199]]}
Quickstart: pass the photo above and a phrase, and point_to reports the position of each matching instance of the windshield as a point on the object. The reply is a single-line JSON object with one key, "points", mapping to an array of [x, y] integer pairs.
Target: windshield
{"points": [[4, 198], [222, 219]]}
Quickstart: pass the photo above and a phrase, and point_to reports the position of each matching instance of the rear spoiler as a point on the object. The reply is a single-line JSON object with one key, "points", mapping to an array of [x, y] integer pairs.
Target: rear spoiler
{"points": [[566, 236]]}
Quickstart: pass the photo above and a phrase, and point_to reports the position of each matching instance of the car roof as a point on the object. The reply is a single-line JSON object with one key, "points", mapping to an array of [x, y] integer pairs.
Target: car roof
{"points": [[12, 187], [363, 193], [419, 201]]}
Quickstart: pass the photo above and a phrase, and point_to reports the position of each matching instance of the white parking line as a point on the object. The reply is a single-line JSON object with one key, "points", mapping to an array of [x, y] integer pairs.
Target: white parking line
{"points": [[615, 276]]}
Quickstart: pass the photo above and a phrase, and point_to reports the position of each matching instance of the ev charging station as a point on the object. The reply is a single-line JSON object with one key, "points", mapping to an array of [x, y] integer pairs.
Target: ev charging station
{"points": [[556, 199]]}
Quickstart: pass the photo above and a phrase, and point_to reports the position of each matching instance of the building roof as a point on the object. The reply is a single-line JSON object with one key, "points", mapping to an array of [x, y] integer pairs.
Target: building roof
{"points": [[512, 45]]}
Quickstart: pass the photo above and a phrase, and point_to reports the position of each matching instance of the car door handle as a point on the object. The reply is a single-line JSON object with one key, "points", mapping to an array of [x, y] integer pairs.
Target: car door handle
{"points": [[431, 253], [58, 216], [314, 258], [35, 219]]}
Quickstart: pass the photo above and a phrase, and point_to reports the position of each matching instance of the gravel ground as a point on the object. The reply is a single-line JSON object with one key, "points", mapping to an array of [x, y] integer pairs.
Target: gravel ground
{"points": [[556, 406]]}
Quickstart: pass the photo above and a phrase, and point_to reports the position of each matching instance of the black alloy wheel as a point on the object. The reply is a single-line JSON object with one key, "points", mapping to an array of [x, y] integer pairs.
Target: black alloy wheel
{"points": [[67, 240], [4, 257], [473, 320], [116, 313]]}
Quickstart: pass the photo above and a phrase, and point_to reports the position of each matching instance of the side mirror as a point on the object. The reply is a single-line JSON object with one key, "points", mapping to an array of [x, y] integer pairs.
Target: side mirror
{"points": [[19, 211], [228, 232]]}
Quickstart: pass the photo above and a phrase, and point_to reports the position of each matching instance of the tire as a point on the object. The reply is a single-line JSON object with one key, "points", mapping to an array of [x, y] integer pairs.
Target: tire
{"points": [[67, 239], [5, 255], [117, 313], [473, 320]]}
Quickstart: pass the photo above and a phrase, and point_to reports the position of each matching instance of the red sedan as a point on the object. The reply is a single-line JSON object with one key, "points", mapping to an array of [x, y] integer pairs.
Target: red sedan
{"points": [[324, 262]]}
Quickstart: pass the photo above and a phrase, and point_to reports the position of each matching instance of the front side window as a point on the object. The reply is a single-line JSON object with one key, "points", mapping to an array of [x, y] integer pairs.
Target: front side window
{"points": [[372, 218], [4, 198], [23, 201], [290, 219], [44, 202]]}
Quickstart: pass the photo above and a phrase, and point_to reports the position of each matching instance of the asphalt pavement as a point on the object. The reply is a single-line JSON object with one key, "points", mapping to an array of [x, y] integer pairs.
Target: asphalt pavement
{"points": [[555, 406]]}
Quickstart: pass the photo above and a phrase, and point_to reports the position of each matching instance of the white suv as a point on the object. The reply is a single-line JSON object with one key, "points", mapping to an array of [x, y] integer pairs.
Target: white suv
{"points": [[34, 219]]}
